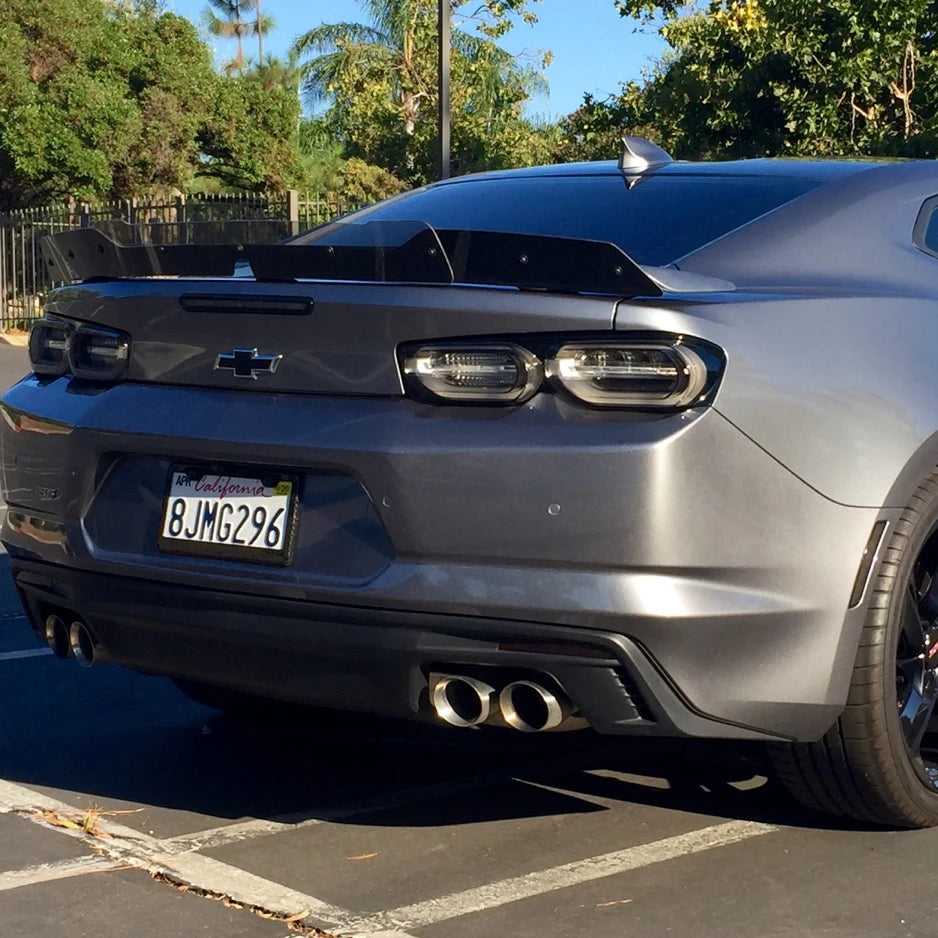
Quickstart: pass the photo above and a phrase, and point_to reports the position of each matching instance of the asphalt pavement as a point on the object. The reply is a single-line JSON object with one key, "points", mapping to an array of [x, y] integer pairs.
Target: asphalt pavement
{"points": [[127, 810], [14, 364]]}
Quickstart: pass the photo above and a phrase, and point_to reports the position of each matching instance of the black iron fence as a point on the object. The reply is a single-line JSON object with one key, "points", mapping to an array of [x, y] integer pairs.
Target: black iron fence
{"points": [[24, 282]]}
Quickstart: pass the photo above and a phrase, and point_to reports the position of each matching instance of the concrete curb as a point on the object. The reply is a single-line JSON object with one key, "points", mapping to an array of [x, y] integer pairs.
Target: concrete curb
{"points": [[20, 339]]}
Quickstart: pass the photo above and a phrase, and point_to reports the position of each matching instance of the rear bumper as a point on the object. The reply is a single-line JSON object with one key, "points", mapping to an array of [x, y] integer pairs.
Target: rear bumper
{"points": [[699, 561], [357, 659]]}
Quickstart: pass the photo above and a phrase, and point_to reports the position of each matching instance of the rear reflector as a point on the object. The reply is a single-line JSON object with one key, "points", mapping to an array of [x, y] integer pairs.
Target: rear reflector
{"points": [[564, 649], [866, 564]]}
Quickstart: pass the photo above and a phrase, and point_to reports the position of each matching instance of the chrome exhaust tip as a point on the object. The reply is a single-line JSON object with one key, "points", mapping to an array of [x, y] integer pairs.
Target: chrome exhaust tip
{"points": [[531, 708], [460, 701], [82, 644], [56, 635]]}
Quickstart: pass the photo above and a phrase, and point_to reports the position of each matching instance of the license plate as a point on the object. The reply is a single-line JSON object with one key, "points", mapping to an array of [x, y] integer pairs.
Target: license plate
{"points": [[237, 516]]}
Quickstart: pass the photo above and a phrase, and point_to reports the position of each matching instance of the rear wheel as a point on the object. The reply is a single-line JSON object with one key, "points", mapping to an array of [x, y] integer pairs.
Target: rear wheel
{"points": [[879, 762]]}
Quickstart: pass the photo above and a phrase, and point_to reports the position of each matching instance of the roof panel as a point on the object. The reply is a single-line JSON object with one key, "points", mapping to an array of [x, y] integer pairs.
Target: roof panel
{"points": [[827, 170]]}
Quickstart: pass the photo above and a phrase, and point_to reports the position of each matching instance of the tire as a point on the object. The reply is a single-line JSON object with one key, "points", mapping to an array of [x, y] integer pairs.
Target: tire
{"points": [[868, 766]]}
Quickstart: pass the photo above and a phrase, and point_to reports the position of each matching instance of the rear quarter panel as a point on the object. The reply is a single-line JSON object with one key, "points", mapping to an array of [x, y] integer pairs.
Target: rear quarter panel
{"points": [[842, 390]]}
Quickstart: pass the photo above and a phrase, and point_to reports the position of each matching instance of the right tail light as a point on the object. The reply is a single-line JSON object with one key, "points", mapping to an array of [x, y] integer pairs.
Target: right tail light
{"points": [[655, 372], [630, 375]]}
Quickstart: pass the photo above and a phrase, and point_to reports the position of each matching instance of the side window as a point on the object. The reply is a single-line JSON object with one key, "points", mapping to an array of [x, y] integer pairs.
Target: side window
{"points": [[925, 233]]}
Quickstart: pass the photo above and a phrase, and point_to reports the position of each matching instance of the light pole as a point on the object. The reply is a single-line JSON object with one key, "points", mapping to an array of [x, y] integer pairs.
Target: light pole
{"points": [[445, 34]]}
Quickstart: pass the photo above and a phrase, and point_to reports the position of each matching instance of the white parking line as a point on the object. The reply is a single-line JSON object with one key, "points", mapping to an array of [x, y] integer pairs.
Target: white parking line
{"points": [[530, 885], [26, 653], [382, 934], [222, 879], [50, 872], [125, 845]]}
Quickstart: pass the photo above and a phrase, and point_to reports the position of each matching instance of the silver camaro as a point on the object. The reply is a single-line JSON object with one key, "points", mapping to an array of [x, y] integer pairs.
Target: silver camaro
{"points": [[645, 446]]}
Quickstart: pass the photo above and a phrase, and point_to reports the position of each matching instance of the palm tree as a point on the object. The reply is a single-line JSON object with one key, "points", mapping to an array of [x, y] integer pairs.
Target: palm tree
{"points": [[235, 22], [274, 72], [390, 44], [338, 51], [262, 24]]}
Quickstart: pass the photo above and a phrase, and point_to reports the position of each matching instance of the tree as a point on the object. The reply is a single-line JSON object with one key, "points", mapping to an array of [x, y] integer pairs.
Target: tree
{"points": [[594, 130], [776, 77], [263, 24], [235, 23], [378, 81], [249, 137], [96, 100], [102, 99], [273, 72]]}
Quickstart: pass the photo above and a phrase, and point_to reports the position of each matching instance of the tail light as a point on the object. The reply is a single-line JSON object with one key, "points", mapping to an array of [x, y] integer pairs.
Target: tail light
{"points": [[630, 375], [48, 346], [98, 354], [506, 374], [656, 372], [58, 347]]}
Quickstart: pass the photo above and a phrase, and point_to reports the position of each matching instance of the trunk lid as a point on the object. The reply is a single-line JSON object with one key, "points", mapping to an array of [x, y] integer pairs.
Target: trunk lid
{"points": [[334, 338]]}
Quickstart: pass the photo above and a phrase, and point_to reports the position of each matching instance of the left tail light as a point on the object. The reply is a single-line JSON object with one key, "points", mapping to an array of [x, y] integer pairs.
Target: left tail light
{"points": [[98, 354], [58, 347], [505, 374], [48, 346]]}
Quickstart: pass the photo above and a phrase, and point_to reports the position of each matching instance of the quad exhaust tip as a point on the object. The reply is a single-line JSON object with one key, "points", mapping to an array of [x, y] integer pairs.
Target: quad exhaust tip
{"points": [[75, 640], [522, 705], [531, 708], [82, 644], [461, 701], [57, 637]]}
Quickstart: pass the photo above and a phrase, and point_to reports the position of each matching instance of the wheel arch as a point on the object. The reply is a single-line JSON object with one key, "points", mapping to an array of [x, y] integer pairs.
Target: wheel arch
{"points": [[916, 469]]}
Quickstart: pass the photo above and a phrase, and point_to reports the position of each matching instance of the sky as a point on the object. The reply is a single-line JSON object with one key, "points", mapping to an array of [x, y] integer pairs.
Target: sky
{"points": [[594, 48]]}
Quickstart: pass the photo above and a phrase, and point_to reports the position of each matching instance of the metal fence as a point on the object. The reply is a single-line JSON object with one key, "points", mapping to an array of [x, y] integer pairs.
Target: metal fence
{"points": [[193, 219]]}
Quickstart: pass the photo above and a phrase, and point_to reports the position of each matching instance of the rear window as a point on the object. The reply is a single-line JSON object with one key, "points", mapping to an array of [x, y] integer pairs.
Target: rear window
{"points": [[655, 222]]}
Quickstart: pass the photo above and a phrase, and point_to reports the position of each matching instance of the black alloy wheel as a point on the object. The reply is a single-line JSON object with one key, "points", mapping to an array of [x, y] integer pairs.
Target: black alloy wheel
{"points": [[917, 663]]}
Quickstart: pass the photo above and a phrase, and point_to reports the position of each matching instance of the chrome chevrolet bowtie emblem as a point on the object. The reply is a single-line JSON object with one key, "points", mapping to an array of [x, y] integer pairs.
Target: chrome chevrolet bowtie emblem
{"points": [[246, 363]]}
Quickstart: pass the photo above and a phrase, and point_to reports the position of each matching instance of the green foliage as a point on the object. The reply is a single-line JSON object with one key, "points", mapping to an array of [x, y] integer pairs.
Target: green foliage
{"points": [[648, 10], [326, 172], [118, 98], [358, 181], [95, 100], [378, 81], [249, 136], [594, 131], [101, 99], [783, 77]]}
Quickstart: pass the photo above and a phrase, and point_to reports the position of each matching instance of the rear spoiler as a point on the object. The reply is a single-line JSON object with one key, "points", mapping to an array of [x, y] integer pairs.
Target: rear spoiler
{"points": [[400, 252]]}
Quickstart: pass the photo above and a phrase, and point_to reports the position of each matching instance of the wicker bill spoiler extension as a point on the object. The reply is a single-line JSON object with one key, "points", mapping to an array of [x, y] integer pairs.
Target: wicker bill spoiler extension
{"points": [[398, 251]]}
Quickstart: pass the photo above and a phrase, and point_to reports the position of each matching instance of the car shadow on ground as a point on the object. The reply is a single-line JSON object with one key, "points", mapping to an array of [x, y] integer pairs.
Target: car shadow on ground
{"points": [[120, 738]]}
